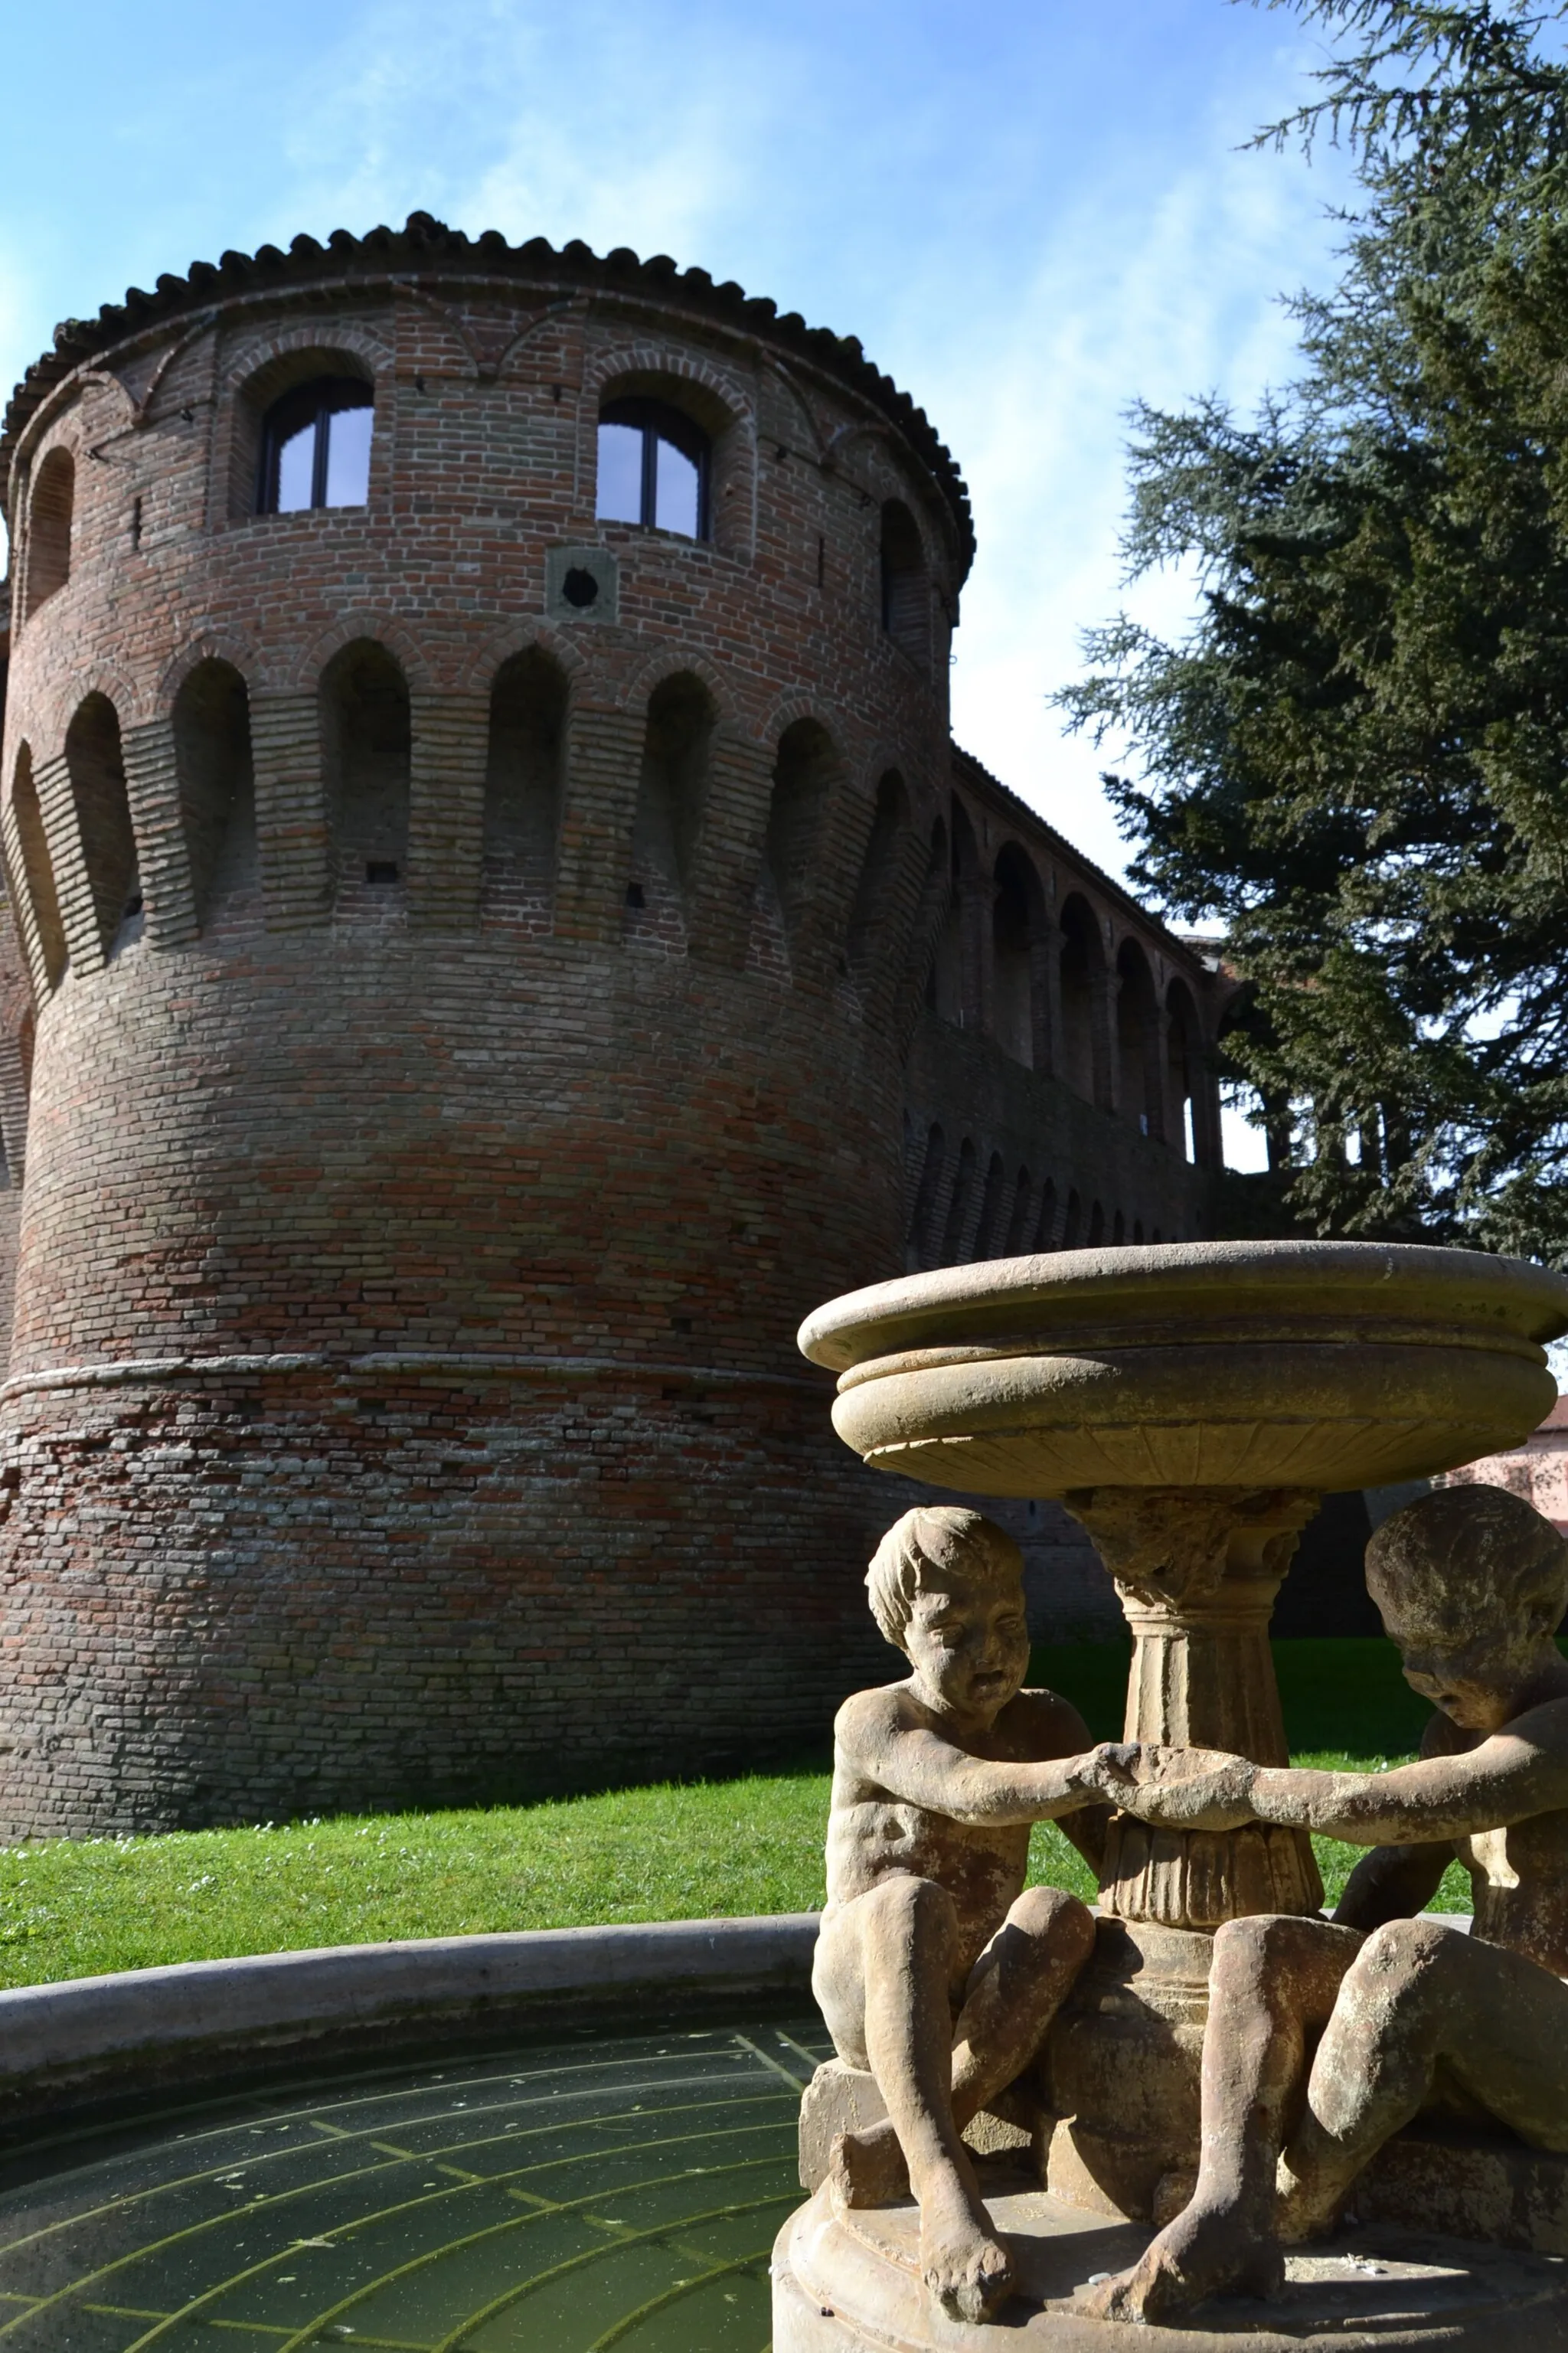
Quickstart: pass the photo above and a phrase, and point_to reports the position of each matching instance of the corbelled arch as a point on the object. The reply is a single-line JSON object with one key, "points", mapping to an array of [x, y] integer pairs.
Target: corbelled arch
{"points": [[1020, 946], [215, 771], [872, 938], [364, 625], [1083, 998], [30, 869], [240, 651], [1140, 1081], [366, 736], [674, 775], [91, 827], [525, 776], [482, 662], [51, 527]]}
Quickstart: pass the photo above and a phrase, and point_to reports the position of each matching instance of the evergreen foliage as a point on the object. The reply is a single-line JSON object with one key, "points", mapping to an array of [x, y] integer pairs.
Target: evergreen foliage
{"points": [[1358, 758]]}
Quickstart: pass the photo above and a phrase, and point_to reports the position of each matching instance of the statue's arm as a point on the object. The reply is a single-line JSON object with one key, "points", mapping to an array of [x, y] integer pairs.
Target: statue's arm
{"points": [[1506, 1780], [917, 1765], [1396, 1882]]}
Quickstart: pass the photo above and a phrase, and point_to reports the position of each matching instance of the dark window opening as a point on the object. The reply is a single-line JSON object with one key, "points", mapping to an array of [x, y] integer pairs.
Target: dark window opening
{"points": [[49, 532], [636, 896], [380, 870], [580, 588], [905, 597], [653, 468], [315, 446]]}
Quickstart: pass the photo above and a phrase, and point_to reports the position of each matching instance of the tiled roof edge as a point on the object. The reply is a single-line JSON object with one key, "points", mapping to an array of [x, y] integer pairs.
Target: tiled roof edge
{"points": [[426, 244]]}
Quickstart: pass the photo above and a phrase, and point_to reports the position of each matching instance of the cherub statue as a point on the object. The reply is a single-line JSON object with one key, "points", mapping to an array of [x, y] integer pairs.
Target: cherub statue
{"points": [[936, 1968], [1472, 1585]]}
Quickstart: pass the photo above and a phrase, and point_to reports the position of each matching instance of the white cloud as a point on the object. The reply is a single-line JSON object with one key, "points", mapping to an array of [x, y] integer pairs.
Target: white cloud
{"points": [[1167, 307]]}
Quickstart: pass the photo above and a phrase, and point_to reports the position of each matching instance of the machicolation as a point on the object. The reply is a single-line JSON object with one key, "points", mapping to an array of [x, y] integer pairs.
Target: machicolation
{"points": [[498, 929]]}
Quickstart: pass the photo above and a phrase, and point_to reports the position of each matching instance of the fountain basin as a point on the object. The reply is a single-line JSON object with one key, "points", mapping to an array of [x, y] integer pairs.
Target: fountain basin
{"points": [[1306, 1364]]}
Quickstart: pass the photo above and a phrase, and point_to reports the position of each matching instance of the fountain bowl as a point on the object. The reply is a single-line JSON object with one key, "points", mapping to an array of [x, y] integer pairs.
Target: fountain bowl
{"points": [[1286, 1364]]}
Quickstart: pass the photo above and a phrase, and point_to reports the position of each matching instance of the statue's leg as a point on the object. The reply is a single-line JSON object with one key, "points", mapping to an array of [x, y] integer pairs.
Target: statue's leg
{"points": [[907, 1931], [1420, 1996], [1015, 1990], [1273, 1979]]}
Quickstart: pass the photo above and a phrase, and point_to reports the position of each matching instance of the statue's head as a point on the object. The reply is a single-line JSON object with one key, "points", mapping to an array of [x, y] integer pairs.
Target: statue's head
{"points": [[1472, 1584], [946, 1587]]}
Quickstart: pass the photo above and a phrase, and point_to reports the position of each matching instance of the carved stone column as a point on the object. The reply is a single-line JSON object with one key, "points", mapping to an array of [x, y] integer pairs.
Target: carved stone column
{"points": [[1197, 1569]]}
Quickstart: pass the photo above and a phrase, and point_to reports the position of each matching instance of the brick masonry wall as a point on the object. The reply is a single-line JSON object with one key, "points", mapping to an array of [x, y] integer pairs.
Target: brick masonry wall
{"points": [[402, 1404]]}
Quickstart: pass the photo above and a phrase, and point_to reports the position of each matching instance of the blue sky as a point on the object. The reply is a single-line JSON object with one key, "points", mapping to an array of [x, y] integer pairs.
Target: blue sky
{"points": [[1029, 213]]}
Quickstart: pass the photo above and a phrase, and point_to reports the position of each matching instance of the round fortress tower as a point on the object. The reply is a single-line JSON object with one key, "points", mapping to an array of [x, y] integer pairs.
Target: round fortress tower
{"points": [[475, 743]]}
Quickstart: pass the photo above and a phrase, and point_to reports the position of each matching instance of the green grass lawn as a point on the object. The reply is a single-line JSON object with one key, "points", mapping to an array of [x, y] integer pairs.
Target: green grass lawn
{"points": [[76, 1908]]}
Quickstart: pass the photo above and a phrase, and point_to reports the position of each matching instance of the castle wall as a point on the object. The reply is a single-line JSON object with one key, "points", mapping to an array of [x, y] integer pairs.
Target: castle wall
{"points": [[476, 1016]]}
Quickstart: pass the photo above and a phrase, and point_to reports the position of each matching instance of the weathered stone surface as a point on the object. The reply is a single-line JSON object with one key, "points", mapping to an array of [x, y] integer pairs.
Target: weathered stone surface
{"points": [[840, 2098], [1240, 1365], [851, 2281], [1205, 1375]]}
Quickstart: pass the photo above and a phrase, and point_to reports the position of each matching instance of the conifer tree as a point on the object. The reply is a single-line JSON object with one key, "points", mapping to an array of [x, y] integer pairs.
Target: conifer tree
{"points": [[1358, 757]]}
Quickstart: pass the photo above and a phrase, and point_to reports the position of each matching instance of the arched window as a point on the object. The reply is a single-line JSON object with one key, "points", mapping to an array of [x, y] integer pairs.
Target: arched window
{"points": [[1137, 1042], [49, 528], [873, 904], [1072, 1229], [1020, 1225], [653, 468], [97, 768], [906, 605], [1014, 924], [950, 991], [1182, 1049], [38, 875], [1046, 1230], [523, 788], [803, 779], [366, 744], [1096, 1226], [315, 446], [217, 795], [988, 1234], [671, 791], [1082, 967], [959, 1206], [921, 1245]]}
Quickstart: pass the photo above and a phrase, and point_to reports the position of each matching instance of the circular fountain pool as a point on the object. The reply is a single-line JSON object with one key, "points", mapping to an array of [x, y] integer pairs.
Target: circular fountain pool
{"points": [[620, 2192]]}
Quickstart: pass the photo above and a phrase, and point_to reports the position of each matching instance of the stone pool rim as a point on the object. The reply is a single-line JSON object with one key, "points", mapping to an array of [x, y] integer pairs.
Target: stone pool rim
{"points": [[84, 2043]]}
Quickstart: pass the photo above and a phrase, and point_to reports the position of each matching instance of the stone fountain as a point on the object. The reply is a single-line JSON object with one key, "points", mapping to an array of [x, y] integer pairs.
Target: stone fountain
{"points": [[1189, 1404]]}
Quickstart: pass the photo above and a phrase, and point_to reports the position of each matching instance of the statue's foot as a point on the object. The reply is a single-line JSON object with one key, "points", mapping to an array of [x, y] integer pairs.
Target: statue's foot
{"points": [[1304, 2210], [966, 2270], [1201, 2254], [867, 2169]]}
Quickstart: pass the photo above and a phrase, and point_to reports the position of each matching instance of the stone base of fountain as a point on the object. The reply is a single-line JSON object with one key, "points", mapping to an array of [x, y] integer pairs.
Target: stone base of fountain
{"points": [[852, 2281]]}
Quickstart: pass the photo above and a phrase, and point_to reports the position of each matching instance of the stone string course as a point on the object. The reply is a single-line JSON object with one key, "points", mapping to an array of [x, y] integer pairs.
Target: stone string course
{"points": [[421, 1150]]}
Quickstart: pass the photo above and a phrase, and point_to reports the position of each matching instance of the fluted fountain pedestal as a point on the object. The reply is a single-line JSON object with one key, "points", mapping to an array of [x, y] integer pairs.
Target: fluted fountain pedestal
{"points": [[1189, 1404]]}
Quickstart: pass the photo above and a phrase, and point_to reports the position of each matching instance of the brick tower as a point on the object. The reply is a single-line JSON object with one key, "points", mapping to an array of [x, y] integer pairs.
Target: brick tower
{"points": [[478, 812]]}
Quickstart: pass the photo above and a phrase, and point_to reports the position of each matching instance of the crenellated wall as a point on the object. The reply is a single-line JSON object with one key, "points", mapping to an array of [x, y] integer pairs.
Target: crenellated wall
{"points": [[474, 1024]]}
